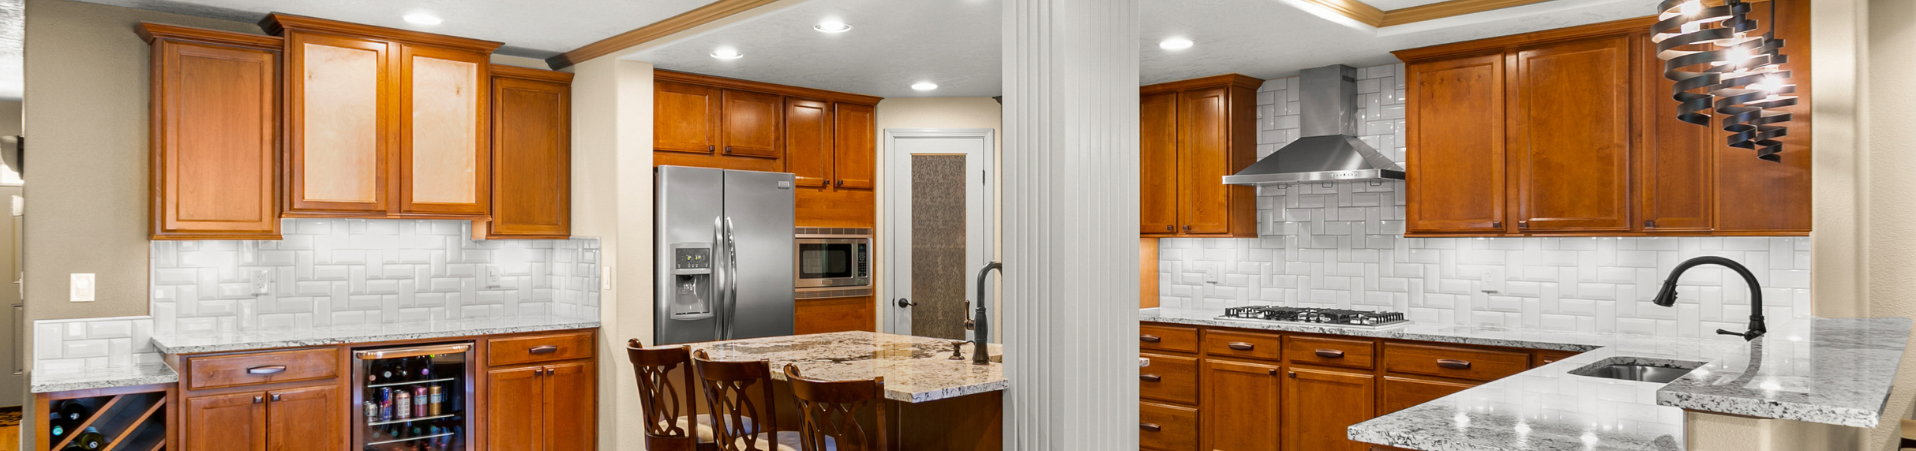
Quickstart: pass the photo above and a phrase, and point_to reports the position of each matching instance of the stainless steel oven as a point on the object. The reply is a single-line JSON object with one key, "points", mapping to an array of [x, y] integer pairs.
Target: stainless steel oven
{"points": [[832, 261]]}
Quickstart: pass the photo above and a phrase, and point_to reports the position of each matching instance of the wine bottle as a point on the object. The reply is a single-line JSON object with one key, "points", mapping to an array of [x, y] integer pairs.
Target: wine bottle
{"points": [[90, 440], [73, 411]]}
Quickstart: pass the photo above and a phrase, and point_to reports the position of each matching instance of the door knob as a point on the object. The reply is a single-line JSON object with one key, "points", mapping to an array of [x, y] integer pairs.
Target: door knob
{"points": [[902, 303]]}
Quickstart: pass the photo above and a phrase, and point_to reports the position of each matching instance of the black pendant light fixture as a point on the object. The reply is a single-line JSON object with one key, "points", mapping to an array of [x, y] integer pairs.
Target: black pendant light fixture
{"points": [[1720, 68]]}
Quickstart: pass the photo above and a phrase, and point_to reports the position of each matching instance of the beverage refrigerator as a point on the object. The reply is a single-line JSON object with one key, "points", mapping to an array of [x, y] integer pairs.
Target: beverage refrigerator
{"points": [[413, 398]]}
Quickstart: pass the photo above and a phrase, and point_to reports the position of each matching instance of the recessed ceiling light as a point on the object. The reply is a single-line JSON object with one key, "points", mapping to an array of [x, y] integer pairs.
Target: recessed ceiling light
{"points": [[727, 54], [832, 26], [422, 19], [924, 86], [1176, 44]]}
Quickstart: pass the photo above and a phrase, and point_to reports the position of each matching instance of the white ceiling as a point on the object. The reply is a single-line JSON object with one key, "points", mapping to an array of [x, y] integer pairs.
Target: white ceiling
{"points": [[532, 29]]}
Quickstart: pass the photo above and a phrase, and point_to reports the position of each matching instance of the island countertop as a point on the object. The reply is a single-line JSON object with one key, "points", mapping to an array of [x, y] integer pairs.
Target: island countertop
{"points": [[916, 369]]}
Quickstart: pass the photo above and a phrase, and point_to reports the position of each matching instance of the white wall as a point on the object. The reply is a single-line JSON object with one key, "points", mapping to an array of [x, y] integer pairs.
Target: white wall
{"points": [[943, 112]]}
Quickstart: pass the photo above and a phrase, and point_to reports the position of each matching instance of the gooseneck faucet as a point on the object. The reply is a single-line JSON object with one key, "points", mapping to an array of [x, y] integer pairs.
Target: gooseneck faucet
{"points": [[980, 324], [1667, 296]]}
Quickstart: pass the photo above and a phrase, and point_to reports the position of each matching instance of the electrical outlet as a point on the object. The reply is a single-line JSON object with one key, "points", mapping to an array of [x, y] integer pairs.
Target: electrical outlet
{"points": [[82, 288], [1211, 273], [490, 274], [1493, 279], [262, 281]]}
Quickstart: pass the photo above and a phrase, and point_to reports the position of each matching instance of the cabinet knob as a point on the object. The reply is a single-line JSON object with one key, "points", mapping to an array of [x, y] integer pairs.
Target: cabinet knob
{"points": [[275, 397], [1273, 371], [728, 149], [1293, 375], [257, 399], [1650, 224], [1523, 224], [710, 148], [840, 183], [1169, 228], [1496, 224], [1187, 228]]}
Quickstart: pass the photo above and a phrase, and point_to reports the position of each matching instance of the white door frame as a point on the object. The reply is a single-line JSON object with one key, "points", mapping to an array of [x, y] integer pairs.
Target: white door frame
{"points": [[897, 220]]}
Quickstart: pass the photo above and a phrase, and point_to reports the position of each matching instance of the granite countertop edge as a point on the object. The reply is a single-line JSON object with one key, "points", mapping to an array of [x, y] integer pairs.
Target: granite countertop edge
{"points": [[99, 378], [200, 344]]}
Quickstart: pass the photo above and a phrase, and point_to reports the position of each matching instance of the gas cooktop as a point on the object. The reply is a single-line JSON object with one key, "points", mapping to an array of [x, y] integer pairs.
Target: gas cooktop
{"points": [[1335, 317]]}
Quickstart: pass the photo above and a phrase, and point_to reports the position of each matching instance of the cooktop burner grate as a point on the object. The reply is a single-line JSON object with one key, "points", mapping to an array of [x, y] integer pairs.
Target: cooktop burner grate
{"points": [[1337, 317]]}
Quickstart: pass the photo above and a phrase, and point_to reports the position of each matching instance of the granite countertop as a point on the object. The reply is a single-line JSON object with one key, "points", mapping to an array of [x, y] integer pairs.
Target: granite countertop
{"points": [[916, 369], [1548, 408], [1820, 370], [49, 381], [320, 336]]}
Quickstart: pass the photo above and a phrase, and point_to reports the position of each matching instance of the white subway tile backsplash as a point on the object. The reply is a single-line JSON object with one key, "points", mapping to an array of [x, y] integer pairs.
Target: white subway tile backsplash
{"points": [[1342, 246]]}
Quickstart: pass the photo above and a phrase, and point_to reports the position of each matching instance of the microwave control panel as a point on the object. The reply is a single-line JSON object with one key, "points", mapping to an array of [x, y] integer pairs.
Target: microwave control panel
{"points": [[863, 256]]}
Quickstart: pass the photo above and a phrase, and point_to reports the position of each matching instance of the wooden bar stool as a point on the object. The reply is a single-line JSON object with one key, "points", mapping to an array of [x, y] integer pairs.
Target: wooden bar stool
{"points": [[740, 422], [670, 423], [829, 411]]}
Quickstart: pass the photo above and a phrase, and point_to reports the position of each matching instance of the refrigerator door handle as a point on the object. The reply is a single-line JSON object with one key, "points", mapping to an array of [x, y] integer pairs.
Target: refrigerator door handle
{"points": [[715, 298], [731, 280]]}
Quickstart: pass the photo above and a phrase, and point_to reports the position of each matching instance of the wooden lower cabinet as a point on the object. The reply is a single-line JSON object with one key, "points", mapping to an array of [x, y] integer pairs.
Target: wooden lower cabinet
{"points": [[1403, 392], [1320, 404], [294, 419], [825, 315], [1240, 407], [1165, 427], [541, 408]]}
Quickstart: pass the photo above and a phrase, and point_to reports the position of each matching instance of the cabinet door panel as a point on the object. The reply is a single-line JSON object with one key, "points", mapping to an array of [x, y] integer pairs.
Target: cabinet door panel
{"points": [[443, 165], [514, 410], [303, 419], [749, 124], [1158, 163], [1673, 174], [1757, 197], [855, 144], [1240, 406], [215, 113], [340, 155], [532, 159], [685, 117], [1204, 158], [1569, 144], [1455, 179], [808, 142], [570, 403], [235, 422], [1321, 404], [1401, 392]]}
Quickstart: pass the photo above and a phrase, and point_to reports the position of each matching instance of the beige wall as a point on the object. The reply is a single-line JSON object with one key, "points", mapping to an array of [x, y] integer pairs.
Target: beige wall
{"points": [[86, 76], [943, 112]]}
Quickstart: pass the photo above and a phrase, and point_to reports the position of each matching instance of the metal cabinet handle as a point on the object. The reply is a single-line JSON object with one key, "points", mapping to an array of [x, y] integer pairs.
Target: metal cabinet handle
{"points": [[1293, 375], [1330, 353], [257, 399], [1187, 228], [1496, 224], [275, 397], [1153, 427], [839, 184], [1273, 371], [273, 369], [1523, 224], [1170, 228], [710, 148], [1149, 377], [728, 149], [1149, 338], [1454, 364], [1650, 224], [1241, 346], [547, 349]]}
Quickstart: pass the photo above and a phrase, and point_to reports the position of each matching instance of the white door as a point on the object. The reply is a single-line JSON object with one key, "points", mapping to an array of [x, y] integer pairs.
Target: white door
{"points": [[937, 228]]}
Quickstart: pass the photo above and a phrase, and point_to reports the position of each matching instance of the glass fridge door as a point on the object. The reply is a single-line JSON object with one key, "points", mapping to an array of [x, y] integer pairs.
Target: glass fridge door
{"points": [[413, 398]]}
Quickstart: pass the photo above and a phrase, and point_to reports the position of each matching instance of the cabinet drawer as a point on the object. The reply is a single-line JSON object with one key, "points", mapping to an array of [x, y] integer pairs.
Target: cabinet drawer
{"points": [[1331, 352], [1168, 338], [539, 348], [1243, 345], [1547, 357], [1167, 428], [235, 370], [1461, 363], [1401, 393], [1169, 378]]}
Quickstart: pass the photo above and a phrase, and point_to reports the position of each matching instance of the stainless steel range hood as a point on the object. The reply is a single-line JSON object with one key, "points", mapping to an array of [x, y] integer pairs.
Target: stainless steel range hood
{"points": [[1329, 150]]}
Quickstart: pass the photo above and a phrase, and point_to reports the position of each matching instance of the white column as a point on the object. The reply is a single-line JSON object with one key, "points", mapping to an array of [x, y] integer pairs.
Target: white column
{"points": [[1071, 224]]}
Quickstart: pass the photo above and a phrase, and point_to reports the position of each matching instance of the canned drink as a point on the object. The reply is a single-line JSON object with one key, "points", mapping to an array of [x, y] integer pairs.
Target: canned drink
{"points": [[402, 405], [385, 404], [372, 411], [419, 402], [437, 397]]}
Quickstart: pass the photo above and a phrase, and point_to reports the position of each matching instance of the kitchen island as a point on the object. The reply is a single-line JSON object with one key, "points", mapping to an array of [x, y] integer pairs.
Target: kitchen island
{"points": [[933, 401]]}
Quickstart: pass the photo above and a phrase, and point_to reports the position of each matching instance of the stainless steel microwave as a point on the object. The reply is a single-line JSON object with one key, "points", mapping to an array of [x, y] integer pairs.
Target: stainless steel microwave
{"points": [[832, 261]]}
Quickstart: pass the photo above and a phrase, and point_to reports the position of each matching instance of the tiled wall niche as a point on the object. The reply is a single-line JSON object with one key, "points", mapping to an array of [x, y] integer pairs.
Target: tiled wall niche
{"points": [[1342, 246], [342, 272], [90, 343]]}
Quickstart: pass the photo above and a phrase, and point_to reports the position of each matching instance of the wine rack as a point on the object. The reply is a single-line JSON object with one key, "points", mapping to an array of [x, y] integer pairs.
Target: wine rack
{"points": [[102, 420]]}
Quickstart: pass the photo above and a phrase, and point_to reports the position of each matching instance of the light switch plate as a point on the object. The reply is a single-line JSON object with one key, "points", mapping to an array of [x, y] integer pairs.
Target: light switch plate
{"points": [[82, 288], [605, 277], [490, 274]]}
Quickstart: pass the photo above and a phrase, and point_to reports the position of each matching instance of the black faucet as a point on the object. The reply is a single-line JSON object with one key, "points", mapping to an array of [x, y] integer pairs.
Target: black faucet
{"points": [[1667, 296], [980, 324]]}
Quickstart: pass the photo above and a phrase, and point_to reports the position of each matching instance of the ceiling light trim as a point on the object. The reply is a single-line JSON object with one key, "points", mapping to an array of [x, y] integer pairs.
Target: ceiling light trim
{"points": [[690, 19]]}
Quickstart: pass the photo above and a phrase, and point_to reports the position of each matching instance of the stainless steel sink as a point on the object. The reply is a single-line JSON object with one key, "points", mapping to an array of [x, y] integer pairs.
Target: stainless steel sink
{"points": [[1637, 369]]}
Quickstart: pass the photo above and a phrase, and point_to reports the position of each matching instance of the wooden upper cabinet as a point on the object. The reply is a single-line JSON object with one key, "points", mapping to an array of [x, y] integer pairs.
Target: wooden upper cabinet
{"points": [[1454, 177], [808, 142], [749, 124], [215, 134], [1569, 140], [685, 117], [855, 132], [1757, 197], [341, 145], [230, 422], [1673, 158], [1192, 134], [531, 154], [1158, 163], [444, 161]]}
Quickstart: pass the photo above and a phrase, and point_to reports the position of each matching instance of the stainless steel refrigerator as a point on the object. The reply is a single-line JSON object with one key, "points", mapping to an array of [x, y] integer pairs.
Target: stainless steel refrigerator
{"points": [[723, 254]]}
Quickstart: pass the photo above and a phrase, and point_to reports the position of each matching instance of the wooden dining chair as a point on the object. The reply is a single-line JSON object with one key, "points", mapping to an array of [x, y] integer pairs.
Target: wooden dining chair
{"points": [[828, 412], [671, 423], [741, 423]]}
